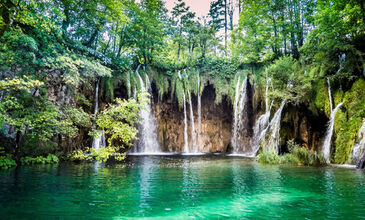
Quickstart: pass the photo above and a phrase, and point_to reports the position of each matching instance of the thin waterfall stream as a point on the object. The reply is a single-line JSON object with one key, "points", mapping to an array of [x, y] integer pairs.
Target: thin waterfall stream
{"points": [[326, 147], [262, 124], [274, 138], [193, 133], [98, 141], [199, 114], [239, 111], [358, 151], [186, 138]]}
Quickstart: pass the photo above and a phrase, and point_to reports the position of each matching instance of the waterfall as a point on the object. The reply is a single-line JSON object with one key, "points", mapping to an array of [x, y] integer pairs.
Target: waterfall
{"points": [[274, 139], [186, 139], [148, 137], [99, 141], [235, 114], [358, 150], [238, 114], [199, 114], [193, 134], [329, 93], [326, 147], [135, 93], [342, 60], [262, 123]]}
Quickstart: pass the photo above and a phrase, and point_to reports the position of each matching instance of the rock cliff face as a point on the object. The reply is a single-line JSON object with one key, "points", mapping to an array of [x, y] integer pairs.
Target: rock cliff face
{"points": [[300, 124], [215, 123], [297, 123]]}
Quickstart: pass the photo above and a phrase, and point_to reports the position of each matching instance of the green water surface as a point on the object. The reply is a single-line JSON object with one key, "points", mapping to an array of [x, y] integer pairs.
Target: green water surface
{"points": [[181, 188]]}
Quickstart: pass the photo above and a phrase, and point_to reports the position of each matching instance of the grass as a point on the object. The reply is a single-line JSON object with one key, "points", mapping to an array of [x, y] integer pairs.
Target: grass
{"points": [[297, 155]]}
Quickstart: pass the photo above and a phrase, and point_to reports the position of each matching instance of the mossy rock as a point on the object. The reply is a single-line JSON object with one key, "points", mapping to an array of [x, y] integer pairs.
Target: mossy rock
{"points": [[321, 99], [349, 121]]}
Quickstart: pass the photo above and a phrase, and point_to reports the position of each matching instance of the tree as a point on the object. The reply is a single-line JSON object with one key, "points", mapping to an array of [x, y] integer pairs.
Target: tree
{"points": [[183, 20], [119, 122], [30, 114], [218, 15], [145, 29]]}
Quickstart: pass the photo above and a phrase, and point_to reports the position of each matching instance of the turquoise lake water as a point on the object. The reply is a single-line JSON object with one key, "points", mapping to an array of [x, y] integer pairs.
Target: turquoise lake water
{"points": [[181, 188]]}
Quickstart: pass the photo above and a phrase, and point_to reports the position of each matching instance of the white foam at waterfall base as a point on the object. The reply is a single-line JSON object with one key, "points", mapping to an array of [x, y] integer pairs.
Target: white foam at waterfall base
{"points": [[147, 143]]}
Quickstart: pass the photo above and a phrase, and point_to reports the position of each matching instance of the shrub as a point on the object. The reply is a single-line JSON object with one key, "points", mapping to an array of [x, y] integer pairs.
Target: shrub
{"points": [[6, 162], [51, 158], [79, 155], [297, 155], [268, 157]]}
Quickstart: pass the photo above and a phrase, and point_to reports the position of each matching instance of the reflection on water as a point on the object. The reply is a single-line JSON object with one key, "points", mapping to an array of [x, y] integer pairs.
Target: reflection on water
{"points": [[181, 187]]}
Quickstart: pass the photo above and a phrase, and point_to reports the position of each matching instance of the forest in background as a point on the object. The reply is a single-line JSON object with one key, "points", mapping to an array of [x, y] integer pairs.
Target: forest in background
{"points": [[52, 53]]}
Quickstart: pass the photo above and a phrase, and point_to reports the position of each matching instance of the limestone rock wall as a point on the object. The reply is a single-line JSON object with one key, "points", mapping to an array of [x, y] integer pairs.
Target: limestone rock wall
{"points": [[215, 124]]}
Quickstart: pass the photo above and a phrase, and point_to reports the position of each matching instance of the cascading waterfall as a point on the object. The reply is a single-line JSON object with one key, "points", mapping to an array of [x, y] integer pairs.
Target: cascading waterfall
{"points": [[135, 93], [186, 139], [358, 152], [274, 139], [329, 93], [99, 141], [193, 134], [342, 60], [148, 140], [199, 114], [262, 123], [238, 114], [274, 127], [326, 147], [235, 116]]}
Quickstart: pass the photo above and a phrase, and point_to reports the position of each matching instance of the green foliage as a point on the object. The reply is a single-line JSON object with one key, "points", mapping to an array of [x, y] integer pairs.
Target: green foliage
{"points": [[80, 155], [339, 27], [161, 80], [78, 117], [347, 124], [291, 82], [25, 52], [304, 156], [39, 160], [297, 155], [77, 69], [20, 84], [268, 157], [6, 162], [118, 122], [321, 97]]}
